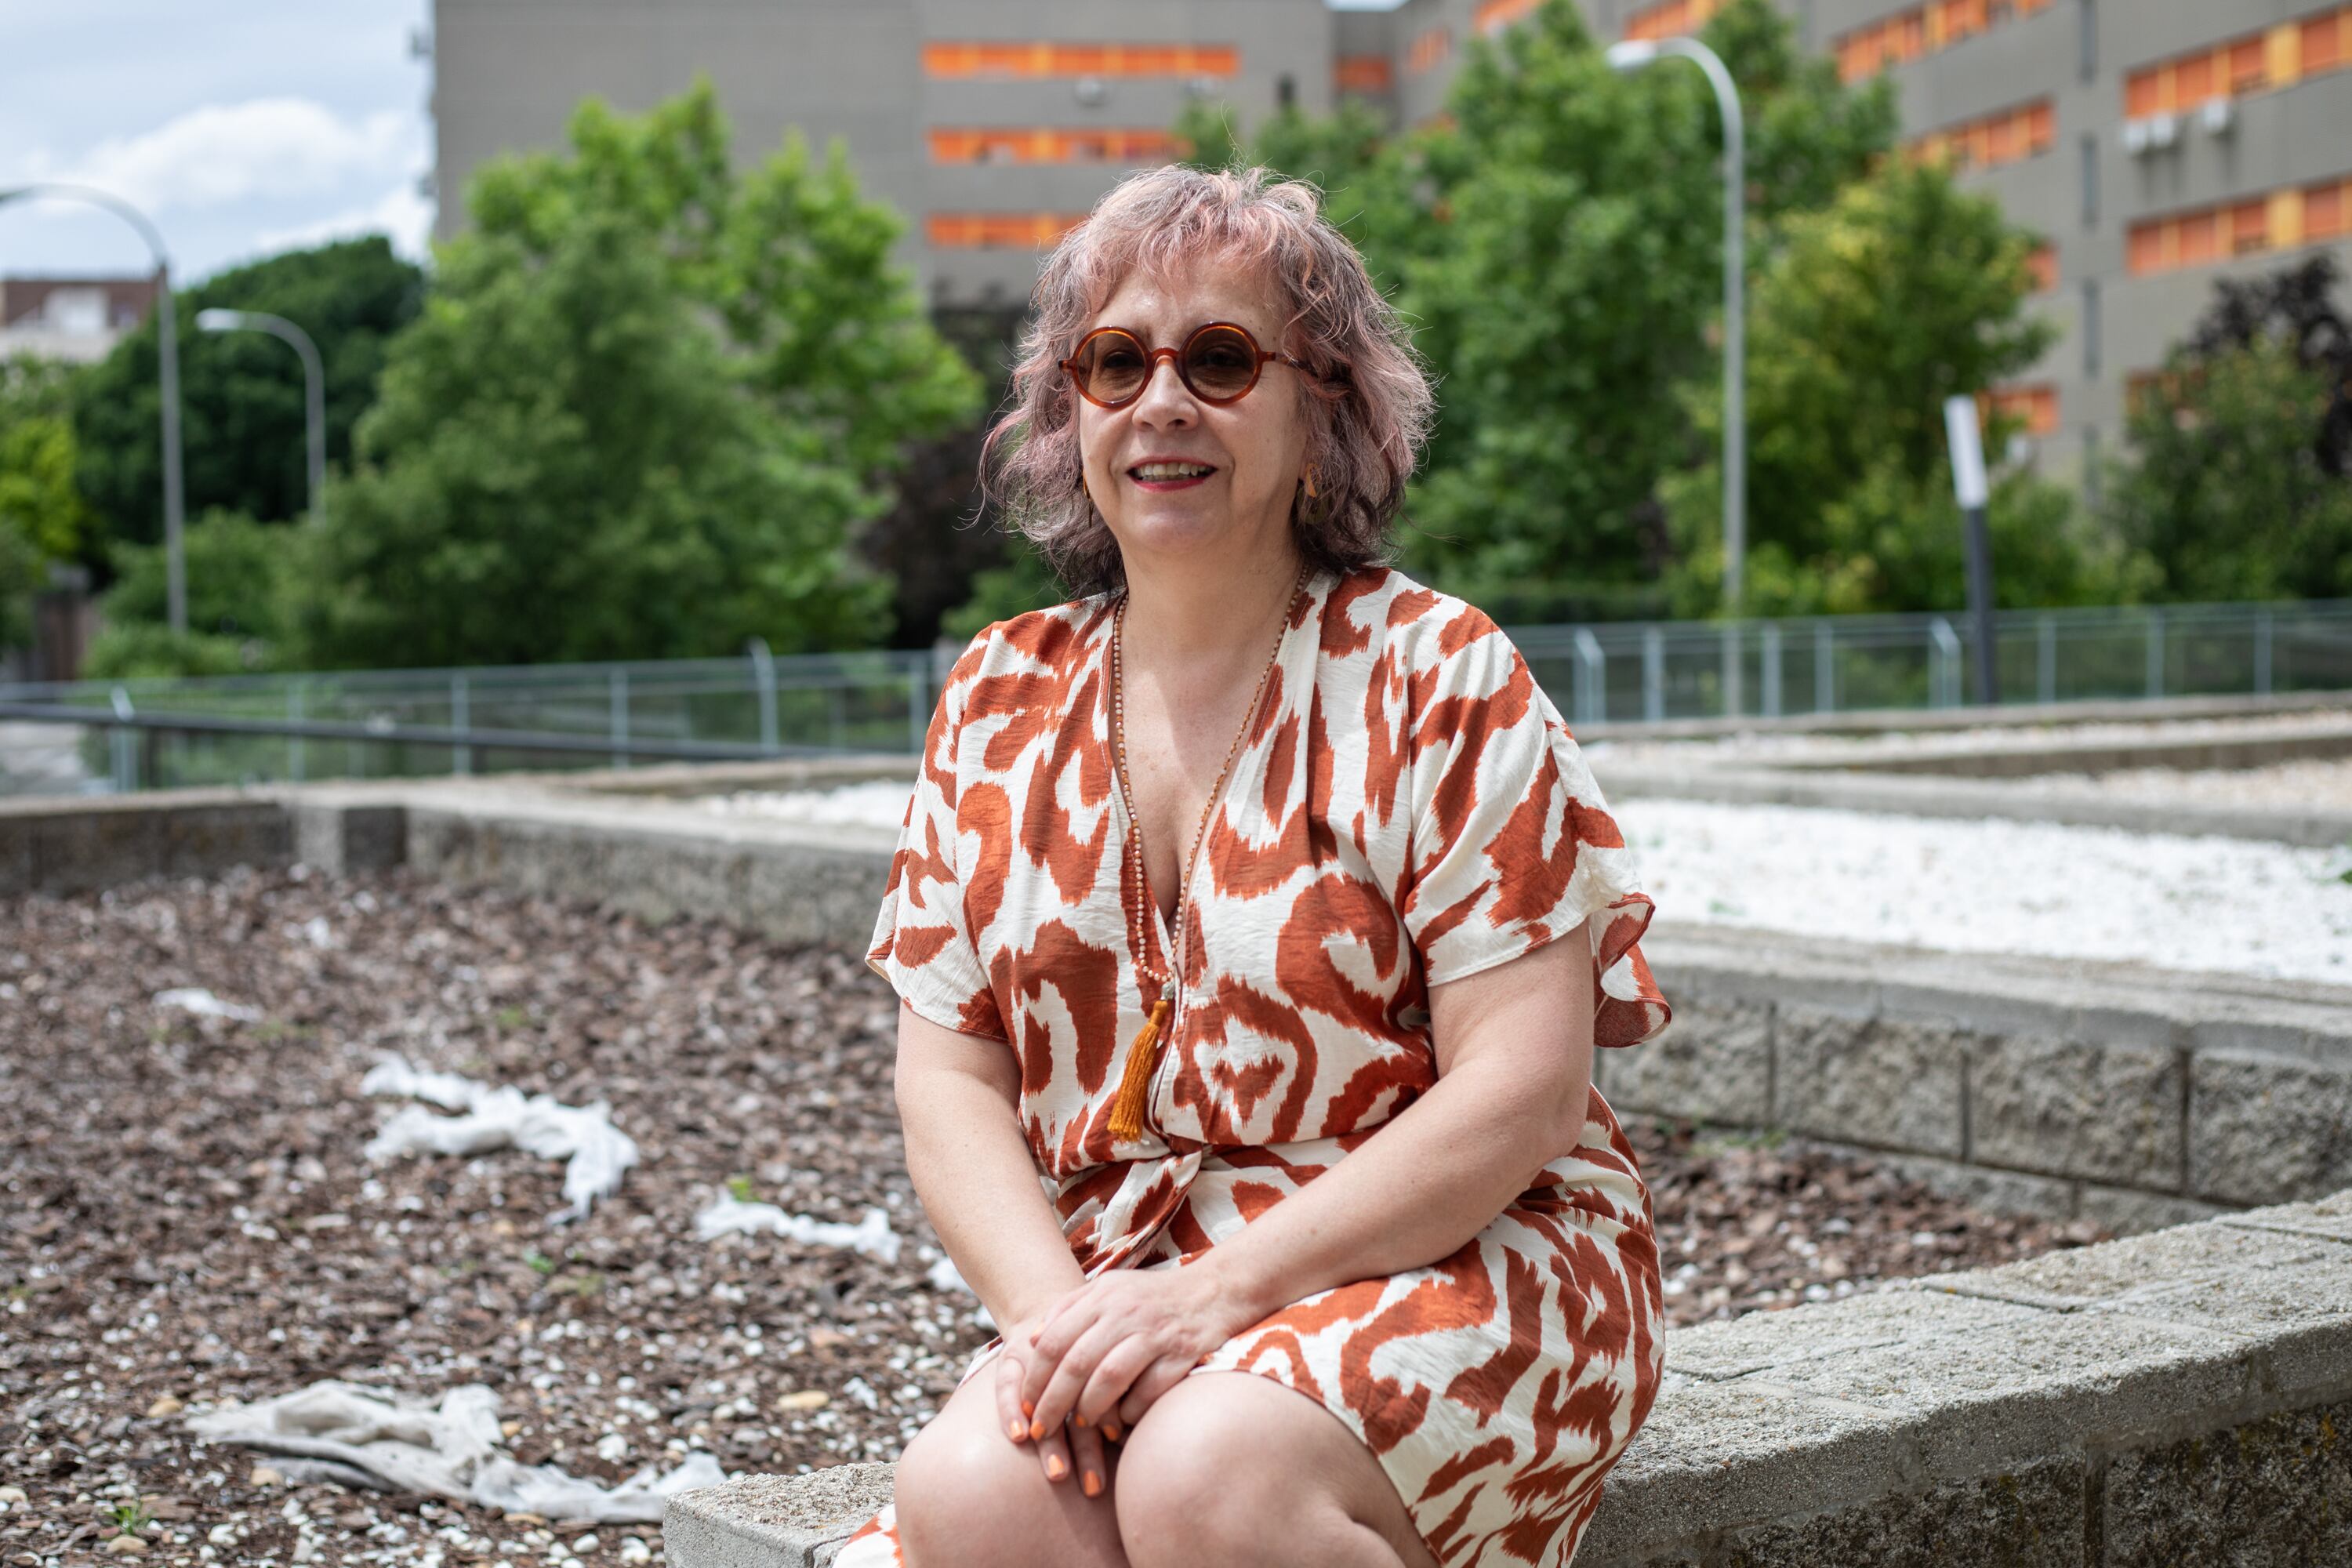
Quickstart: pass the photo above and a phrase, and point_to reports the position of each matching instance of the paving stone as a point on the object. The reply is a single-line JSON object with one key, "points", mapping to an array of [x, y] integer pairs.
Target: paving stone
{"points": [[1884, 1082], [774, 1521], [206, 840], [1993, 1191], [2264, 1131], [2029, 1517], [2329, 1217], [2127, 1212], [2111, 1113]]}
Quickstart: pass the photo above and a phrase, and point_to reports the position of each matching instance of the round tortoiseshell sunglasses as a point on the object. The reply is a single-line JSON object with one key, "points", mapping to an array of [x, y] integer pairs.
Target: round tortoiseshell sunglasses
{"points": [[1219, 362]]}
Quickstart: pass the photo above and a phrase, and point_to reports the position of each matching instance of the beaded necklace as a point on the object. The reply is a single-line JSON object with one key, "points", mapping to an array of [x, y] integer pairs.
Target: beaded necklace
{"points": [[1143, 1056]]}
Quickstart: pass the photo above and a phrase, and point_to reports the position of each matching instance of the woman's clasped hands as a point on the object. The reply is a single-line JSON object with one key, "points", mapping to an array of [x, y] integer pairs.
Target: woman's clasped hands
{"points": [[1084, 1371]]}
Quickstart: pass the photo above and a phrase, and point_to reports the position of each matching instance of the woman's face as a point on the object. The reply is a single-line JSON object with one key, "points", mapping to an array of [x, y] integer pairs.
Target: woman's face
{"points": [[1254, 450]]}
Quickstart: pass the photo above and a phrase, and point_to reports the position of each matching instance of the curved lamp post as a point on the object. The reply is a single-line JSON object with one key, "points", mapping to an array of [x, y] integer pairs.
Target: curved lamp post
{"points": [[314, 384], [167, 340], [1630, 56]]}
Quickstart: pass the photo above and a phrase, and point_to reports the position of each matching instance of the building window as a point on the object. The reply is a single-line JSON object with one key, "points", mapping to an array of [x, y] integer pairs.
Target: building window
{"points": [[1670, 19], [2312, 215], [2035, 407], [1364, 73], [1042, 59], [1285, 91], [1493, 15], [1922, 29], [1050, 144], [2250, 62], [998, 231], [2042, 264], [1431, 49], [2090, 181], [1996, 139], [2086, 37]]}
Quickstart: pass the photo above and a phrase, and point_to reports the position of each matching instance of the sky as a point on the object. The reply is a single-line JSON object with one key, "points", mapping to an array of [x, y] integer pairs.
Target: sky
{"points": [[240, 127]]}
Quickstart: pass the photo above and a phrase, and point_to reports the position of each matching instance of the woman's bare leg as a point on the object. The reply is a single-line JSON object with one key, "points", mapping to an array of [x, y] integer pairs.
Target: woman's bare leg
{"points": [[970, 1497], [1235, 1469]]}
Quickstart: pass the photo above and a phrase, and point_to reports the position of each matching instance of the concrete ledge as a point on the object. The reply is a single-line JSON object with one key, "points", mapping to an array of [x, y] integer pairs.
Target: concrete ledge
{"points": [[2174, 1397]]}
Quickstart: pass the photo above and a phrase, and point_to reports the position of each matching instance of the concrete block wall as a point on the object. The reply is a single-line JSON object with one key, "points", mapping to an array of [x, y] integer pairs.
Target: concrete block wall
{"points": [[2133, 1097], [2184, 1397]]}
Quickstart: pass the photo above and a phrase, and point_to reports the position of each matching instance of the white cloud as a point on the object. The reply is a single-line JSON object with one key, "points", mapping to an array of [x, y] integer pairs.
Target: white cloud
{"points": [[263, 148], [401, 213]]}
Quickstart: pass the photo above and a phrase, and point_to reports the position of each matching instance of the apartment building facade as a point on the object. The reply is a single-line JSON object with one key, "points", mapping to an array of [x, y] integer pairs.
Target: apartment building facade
{"points": [[2156, 145]]}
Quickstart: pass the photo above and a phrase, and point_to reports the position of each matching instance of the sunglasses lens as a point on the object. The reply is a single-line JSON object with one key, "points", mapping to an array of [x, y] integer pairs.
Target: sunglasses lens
{"points": [[1221, 362], [1112, 367]]}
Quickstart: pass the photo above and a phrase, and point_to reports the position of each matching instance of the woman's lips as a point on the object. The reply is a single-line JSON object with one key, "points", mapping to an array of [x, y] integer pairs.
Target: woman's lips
{"points": [[1171, 484]]}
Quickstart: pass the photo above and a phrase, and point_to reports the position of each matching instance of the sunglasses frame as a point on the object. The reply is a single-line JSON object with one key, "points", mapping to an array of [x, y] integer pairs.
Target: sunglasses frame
{"points": [[1152, 357]]}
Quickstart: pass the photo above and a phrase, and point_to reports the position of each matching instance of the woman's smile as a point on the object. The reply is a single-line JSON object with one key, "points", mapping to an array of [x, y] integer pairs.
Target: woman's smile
{"points": [[1159, 475]]}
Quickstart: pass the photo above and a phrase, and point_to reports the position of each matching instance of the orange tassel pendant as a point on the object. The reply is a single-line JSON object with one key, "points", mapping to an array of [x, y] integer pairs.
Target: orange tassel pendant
{"points": [[1135, 1080]]}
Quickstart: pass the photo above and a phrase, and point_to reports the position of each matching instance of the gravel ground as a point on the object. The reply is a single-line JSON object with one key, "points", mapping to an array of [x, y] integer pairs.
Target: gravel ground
{"points": [[2307, 781], [1790, 745], [189, 1217]]}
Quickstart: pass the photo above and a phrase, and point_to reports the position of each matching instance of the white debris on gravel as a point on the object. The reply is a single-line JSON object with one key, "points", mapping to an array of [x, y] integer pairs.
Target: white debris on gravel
{"points": [[2323, 781], [727, 1215], [1994, 885], [595, 1151], [450, 1447], [1980, 885], [205, 1004], [1745, 746]]}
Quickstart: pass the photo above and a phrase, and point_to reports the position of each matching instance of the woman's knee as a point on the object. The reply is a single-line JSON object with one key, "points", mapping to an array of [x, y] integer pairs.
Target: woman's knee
{"points": [[1199, 1480], [958, 1498]]}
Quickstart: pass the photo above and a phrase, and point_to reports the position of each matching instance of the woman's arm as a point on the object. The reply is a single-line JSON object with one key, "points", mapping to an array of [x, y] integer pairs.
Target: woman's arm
{"points": [[1515, 1065], [958, 1097]]}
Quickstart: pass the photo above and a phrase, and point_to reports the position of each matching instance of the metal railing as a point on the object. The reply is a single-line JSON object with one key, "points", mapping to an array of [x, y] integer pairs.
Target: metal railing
{"points": [[136, 735]]}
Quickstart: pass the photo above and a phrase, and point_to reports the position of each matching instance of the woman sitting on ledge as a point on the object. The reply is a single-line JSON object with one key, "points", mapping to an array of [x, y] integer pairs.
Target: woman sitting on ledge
{"points": [[1255, 917]]}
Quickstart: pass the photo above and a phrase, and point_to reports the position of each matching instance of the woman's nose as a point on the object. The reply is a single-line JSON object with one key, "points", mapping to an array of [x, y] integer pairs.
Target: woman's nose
{"points": [[1164, 395]]}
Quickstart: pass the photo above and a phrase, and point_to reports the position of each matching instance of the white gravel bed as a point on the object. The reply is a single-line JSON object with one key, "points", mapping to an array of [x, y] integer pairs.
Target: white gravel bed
{"points": [[1774, 746], [1985, 885], [2307, 781]]}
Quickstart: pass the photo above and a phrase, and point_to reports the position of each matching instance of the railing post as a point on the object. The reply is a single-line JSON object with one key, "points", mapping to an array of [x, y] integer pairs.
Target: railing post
{"points": [[121, 744], [1654, 674], [2156, 653], [2263, 651], [1771, 670], [1592, 678], [2045, 657], [618, 686], [763, 682], [1943, 664], [461, 755], [1730, 672], [1824, 667], [297, 759], [918, 702]]}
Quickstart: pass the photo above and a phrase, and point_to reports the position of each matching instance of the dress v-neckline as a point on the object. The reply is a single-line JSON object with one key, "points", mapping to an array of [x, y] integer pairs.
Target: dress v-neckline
{"points": [[1131, 836]]}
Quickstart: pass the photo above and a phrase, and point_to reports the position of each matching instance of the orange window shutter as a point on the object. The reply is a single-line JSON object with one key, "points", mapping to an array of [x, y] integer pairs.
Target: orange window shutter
{"points": [[2042, 264], [2199, 239], [2045, 127], [2147, 249], [2192, 81], [2140, 94], [2247, 65], [2323, 211], [2249, 228], [2323, 43]]}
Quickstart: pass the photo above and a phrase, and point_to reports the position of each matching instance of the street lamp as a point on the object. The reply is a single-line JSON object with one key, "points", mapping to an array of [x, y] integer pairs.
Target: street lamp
{"points": [[314, 384], [167, 336], [1630, 56]]}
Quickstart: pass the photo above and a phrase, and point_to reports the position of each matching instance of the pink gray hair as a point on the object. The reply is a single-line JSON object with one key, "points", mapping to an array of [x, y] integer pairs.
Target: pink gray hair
{"points": [[1369, 404]]}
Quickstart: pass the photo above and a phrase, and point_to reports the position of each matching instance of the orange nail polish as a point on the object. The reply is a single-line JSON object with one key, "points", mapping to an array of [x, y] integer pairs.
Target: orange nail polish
{"points": [[1055, 1469], [1037, 1428], [1028, 1407], [1015, 1430], [1077, 1419], [1093, 1484]]}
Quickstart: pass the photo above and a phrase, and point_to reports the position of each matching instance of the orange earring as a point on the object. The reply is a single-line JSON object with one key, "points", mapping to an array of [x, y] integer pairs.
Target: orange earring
{"points": [[1309, 481]]}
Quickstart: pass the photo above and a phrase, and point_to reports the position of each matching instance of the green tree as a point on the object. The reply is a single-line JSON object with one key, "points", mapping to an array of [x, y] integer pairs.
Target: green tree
{"points": [[2227, 495], [42, 514], [1904, 292], [239, 611], [241, 394], [648, 407], [1554, 239]]}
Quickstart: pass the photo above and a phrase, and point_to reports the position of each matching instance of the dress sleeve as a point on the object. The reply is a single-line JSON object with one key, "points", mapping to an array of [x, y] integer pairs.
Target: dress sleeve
{"points": [[1512, 843], [922, 945]]}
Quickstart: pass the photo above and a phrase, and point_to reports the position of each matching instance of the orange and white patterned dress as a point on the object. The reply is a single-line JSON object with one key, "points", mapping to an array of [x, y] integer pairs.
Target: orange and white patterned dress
{"points": [[1408, 808]]}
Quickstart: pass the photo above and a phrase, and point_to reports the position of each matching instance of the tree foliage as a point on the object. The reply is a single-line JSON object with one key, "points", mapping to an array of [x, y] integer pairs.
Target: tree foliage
{"points": [[239, 610], [1903, 291], [648, 406], [241, 394], [42, 514]]}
